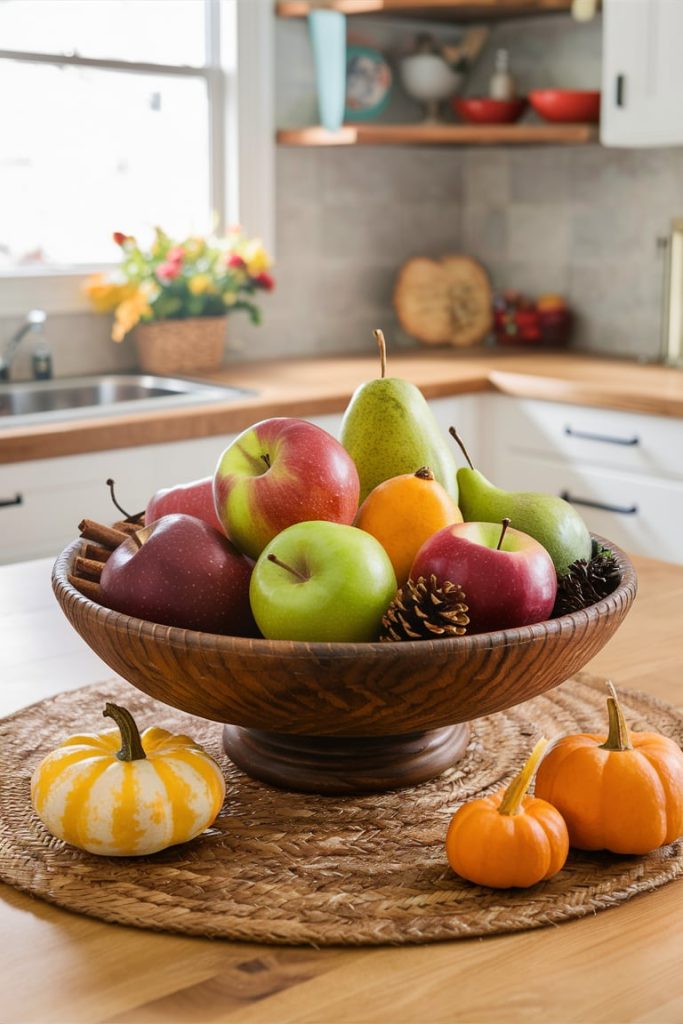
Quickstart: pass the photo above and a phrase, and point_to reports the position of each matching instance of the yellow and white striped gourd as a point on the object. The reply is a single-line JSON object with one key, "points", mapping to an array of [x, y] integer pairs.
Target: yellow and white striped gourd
{"points": [[155, 791]]}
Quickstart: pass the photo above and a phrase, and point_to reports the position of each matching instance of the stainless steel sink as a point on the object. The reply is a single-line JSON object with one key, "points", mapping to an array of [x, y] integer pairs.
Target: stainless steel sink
{"points": [[104, 395]]}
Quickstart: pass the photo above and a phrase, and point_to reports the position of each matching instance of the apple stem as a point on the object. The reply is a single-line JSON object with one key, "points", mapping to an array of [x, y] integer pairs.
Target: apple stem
{"points": [[424, 473], [135, 537], [266, 458], [379, 338], [505, 523], [283, 565], [129, 518], [456, 437]]}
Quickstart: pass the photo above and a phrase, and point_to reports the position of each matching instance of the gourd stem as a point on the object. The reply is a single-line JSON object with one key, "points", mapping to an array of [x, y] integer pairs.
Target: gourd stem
{"points": [[516, 790], [131, 744], [617, 737], [379, 338]]}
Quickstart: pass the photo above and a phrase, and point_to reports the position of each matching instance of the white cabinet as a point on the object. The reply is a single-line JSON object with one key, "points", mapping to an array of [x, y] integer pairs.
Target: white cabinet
{"points": [[642, 73], [622, 471], [49, 497]]}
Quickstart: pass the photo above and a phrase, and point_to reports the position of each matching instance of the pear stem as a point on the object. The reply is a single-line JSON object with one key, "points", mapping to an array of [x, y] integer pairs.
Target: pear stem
{"points": [[283, 565], [617, 737], [456, 437], [514, 794], [505, 523], [424, 473], [379, 338]]}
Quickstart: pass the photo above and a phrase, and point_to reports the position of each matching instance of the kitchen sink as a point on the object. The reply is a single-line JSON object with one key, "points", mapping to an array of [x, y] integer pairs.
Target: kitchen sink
{"points": [[104, 395]]}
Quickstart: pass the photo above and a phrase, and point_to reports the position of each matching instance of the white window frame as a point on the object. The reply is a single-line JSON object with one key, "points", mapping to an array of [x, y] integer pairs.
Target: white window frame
{"points": [[238, 75]]}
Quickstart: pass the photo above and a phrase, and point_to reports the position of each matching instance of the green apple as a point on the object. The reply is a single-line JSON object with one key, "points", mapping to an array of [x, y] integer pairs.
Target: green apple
{"points": [[321, 581]]}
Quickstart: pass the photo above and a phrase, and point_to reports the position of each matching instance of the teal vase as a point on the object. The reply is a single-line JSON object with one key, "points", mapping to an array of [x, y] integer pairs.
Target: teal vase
{"points": [[328, 39]]}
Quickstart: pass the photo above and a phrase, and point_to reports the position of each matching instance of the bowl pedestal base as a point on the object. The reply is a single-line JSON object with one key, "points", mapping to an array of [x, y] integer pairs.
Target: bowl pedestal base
{"points": [[331, 765]]}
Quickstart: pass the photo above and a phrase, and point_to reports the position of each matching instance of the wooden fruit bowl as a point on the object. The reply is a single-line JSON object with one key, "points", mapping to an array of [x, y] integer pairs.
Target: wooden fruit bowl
{"points": [[333, 718]]}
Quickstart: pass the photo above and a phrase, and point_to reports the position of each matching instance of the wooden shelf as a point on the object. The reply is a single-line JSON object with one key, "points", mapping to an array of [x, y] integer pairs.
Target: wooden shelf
{"points": [[441, 135], [438, 9]]}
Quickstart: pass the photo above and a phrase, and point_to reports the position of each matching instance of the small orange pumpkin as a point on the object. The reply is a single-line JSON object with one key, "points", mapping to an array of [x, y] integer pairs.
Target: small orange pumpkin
{"points": [[508, 839], [621, 792]]}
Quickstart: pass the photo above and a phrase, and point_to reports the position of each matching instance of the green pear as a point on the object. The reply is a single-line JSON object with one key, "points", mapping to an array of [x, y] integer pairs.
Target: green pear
{"points": [[550, 520], [388, 429]]}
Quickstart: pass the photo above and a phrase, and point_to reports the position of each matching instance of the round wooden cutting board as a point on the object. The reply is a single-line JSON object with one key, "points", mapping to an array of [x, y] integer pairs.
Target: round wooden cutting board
{"points": [[447, 301]]}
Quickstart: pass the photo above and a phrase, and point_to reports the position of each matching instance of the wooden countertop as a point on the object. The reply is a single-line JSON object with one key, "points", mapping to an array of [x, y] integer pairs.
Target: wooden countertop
{"points": [[306, 387], [624, 964]]}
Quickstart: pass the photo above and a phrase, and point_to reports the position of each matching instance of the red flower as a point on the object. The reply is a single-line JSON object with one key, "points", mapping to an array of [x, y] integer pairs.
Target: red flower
{"points": [[264, 281], [176, 254], [235, 261], [119, 237], [167, 271]]}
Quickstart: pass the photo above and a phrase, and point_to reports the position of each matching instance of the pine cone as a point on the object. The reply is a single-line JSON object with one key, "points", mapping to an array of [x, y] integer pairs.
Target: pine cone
{"points": [[424, 611], [586, 583]]}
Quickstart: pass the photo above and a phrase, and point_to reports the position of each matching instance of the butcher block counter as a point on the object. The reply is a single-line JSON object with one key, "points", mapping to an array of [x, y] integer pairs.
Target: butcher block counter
{"points": [[309, 387], [624, 964]]}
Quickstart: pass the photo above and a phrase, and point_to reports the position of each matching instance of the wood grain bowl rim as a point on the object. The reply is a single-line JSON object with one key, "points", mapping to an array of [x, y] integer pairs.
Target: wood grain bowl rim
{"points": [[409, 649]]}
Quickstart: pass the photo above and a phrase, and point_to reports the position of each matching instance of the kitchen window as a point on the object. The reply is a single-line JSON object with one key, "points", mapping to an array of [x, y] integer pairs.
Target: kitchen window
{"points": [[119, 115]]}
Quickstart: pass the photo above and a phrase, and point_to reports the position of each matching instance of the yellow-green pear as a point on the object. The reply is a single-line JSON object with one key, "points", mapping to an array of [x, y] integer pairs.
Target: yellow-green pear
{"points": [[388, 429], [550, 520]]}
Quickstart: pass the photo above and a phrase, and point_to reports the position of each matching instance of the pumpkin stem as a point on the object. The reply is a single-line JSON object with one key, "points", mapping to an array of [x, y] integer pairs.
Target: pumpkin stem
{"points": [[131, 744], [515, 792], [617, 737]]}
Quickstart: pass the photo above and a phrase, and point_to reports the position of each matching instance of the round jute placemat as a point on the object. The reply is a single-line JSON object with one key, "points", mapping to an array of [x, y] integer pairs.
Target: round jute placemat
{"points": [[292, 868]]}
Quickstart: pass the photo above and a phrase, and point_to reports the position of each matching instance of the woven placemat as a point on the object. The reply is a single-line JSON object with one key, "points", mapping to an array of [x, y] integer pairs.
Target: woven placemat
{"points": [[291, 868]]}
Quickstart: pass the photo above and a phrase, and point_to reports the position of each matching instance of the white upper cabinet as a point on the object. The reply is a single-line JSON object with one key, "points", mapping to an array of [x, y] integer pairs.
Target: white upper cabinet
{"points": [[642, 73]]}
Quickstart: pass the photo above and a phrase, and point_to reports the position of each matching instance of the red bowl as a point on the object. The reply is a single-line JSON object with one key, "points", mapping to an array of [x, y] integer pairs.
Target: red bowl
{"points": [[566, 105], [481, 110]]}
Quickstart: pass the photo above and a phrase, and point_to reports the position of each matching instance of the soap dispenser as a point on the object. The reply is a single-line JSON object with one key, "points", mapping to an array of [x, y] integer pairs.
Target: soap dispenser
{"points": [[41, 356]]}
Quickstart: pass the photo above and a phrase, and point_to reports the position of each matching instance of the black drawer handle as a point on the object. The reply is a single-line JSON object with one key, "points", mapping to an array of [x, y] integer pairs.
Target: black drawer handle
{"points": [[622, 510], [582, 435], [16, 500]]}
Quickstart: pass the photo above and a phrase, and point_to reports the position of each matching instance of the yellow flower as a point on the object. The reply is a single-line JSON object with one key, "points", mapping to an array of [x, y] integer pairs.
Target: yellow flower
{"points": [[199, 284], [104, 294], [194, 247], [255, 257], [128, 314], [229, 298]]}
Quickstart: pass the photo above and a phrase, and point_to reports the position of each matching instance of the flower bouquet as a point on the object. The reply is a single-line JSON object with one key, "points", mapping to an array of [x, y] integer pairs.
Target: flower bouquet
{"points": [[193, 283]]}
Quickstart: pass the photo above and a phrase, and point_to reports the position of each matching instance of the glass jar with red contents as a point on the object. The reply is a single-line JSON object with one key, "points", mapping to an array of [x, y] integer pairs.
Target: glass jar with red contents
{"points": [[518, 320]]}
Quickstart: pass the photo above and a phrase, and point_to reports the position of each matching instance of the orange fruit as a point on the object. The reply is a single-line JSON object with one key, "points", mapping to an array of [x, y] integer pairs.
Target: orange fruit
{"points": [[405, 511]]}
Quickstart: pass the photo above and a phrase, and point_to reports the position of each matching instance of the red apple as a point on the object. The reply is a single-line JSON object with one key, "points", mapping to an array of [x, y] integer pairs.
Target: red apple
{"points": [[507, 586], [179, 571], [280, 472], [193, 499]]}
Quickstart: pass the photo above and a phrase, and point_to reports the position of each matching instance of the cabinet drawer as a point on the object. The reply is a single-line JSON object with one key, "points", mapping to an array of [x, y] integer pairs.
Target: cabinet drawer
{"points": [[641, 515], [49, 497], [634, 442]]}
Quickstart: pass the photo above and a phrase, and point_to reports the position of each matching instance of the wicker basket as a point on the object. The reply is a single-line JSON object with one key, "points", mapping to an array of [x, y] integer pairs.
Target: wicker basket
{"points": [[180, 346]]}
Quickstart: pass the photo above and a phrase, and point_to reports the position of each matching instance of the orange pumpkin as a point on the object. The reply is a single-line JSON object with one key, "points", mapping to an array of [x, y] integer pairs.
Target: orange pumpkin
{"points": [[621, 792], [508, 839]]}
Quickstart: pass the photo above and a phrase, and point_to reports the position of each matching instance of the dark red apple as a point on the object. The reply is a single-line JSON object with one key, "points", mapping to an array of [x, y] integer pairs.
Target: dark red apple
{"points": [[280, 472], [193, 499], [514, 585], [179, 571]]}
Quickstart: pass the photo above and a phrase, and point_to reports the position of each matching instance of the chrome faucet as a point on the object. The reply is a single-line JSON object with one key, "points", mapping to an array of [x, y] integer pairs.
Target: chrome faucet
{"points": [[33, 322]]}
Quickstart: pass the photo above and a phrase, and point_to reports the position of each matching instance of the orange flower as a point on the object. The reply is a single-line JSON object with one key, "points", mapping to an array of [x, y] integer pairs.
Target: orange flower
{"points": [[129, 313], [104, 294]]}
